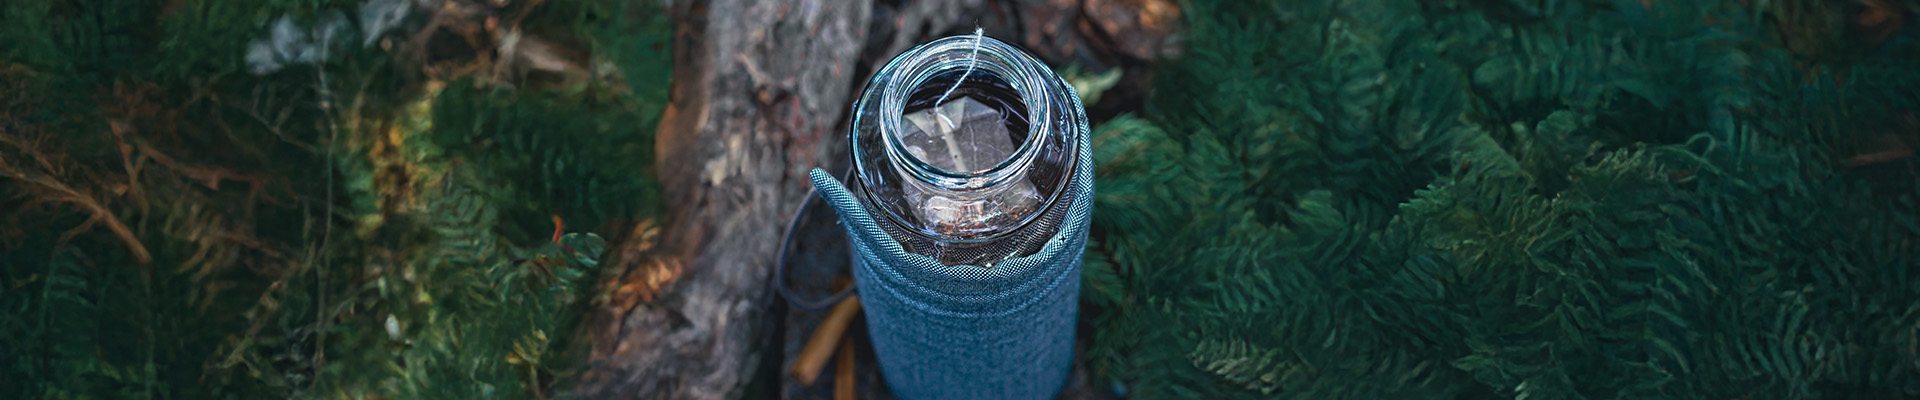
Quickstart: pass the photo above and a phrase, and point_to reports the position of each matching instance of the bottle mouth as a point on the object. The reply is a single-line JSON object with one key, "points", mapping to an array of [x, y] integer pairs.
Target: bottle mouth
{"points": [[965, 181], [939, 62]]}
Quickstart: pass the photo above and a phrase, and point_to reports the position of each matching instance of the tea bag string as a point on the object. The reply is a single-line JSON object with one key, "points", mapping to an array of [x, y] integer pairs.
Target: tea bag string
{"points": [[973, 58]]}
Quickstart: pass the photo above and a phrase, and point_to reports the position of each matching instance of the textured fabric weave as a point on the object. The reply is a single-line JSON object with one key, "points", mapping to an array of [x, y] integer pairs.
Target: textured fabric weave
{"points": [[966, 332]]}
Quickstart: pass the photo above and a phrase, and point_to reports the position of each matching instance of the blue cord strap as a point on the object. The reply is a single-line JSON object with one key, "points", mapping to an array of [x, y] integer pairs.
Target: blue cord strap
{"points": [[784, 262]]}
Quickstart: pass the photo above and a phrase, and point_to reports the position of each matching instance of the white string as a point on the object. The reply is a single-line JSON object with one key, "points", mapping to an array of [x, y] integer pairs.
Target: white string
{"points": [[972, 59]]}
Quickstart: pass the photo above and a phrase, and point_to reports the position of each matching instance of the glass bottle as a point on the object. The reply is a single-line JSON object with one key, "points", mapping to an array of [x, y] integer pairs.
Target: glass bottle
{"points": [[981, 176]]}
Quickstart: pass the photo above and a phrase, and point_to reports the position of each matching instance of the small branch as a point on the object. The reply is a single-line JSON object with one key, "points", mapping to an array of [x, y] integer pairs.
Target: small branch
{"points": [[120, 127], [272, 120], [814, 356], [1880, 156], [843, 383], [61, 193], [58, 192], [76, 231], [207, 176]]}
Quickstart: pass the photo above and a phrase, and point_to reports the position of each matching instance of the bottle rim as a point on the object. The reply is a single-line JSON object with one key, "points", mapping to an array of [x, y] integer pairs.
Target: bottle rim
{"points": [[955, 54], [1052, 110]]}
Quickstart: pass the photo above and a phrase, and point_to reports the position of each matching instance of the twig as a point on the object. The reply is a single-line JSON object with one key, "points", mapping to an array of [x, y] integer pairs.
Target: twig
{"points": [[272, 123], [1879, 157], [207, 176], [331, 115], [843, 384], [120, 127], [524, 11], [457, 17], [59, 192], [807, 366]]}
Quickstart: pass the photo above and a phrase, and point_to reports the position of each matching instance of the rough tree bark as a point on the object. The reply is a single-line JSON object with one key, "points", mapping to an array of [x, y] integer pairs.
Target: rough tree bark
{"points": [[758, 87], [760, 95]]}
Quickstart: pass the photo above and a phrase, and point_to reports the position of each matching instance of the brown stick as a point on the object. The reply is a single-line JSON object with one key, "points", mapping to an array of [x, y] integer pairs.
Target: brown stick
{"points": [[113, 223], [843, 372], [59, 192], [825, 337], [207, 176]]}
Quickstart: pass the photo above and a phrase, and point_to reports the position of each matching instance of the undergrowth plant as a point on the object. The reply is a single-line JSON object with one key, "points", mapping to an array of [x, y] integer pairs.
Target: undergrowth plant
{"points": [[310, 199], [1513, 199]]}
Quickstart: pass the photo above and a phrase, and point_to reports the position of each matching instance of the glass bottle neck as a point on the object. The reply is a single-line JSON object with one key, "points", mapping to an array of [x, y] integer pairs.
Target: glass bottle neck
{"points": [[981, 164], [993, 64]]}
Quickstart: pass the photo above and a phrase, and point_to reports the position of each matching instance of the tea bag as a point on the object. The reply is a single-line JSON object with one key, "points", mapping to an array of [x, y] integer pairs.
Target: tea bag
{"points": [[975, 141]]}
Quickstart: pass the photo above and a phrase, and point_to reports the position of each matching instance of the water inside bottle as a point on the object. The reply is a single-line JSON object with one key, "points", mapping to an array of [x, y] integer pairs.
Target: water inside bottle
{"points": [[982, 123]]}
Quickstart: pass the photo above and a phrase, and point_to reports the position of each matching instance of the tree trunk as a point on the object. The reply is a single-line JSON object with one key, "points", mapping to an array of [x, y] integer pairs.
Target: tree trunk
{"points": [[758, 88], [761, 90]]}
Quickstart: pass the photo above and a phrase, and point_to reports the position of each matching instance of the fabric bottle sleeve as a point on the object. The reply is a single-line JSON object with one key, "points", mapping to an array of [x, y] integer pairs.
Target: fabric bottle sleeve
{"points": [[962, 331]]}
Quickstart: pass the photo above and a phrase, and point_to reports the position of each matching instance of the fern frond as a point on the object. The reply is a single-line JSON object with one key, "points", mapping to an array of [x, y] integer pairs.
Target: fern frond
{"points": [[1242, 363]]}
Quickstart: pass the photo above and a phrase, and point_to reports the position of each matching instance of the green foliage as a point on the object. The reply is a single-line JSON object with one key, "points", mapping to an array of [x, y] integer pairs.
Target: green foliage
{"points": [[293, 216], [467, 317], [83, 36], [572, 154], [1485, 199], [1244, 364], [105, 39], [570, 160], [63, 327]]}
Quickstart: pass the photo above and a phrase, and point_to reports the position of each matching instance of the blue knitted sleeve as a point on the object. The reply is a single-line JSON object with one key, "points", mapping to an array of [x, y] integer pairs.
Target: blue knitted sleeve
{"points": [[962, 331]]}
